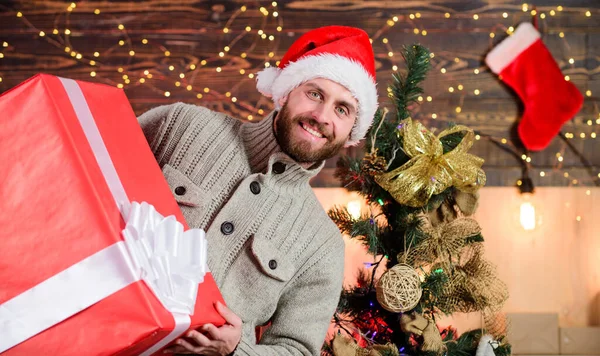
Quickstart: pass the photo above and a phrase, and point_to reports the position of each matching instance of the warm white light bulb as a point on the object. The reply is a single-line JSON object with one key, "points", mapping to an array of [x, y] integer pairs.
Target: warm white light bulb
{"points": [[527, 213], [354, 209]]}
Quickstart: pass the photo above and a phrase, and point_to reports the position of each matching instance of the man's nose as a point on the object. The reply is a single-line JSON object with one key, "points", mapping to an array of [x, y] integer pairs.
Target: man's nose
{"points": [[319, 114]]}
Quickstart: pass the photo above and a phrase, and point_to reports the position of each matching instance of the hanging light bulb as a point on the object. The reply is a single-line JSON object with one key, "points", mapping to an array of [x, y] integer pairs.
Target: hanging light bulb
{"points": [[527, 210]]}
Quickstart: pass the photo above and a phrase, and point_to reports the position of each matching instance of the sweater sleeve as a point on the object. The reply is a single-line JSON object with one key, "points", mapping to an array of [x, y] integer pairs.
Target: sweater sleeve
{"points": [[305, 308]]}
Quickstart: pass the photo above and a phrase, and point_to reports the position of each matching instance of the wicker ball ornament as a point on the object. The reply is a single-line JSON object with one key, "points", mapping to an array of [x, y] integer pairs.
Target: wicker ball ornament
{"points": [[399, 289]]}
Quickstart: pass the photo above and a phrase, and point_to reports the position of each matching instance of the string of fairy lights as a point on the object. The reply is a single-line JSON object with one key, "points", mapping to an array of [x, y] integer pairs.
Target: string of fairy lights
{"points": [[61, 39], [267, 32]]}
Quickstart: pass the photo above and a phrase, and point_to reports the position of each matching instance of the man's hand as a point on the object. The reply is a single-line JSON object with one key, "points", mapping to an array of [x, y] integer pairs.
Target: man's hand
{"points": [[212, 341]]}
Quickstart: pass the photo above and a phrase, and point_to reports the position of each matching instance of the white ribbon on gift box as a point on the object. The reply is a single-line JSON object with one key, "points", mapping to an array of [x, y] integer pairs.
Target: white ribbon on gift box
{"points": [[155, 249]]}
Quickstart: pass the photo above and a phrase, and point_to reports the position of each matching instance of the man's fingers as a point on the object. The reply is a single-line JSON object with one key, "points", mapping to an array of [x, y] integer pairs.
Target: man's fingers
{"points": [[176, 349], [200, 339], [212, 331], [228, 315], [189, 347]]}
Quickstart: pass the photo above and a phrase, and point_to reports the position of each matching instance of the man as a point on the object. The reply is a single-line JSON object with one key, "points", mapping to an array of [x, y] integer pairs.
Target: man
{"points": [[274, 253]]}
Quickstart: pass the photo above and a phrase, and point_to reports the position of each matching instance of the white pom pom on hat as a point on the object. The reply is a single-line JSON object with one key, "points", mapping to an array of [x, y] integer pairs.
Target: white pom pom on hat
{"points": [[338, 53]]}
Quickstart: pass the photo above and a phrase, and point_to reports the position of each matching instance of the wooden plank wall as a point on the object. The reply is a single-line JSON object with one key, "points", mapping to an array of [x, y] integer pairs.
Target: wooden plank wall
{"points": [[185, 38]]}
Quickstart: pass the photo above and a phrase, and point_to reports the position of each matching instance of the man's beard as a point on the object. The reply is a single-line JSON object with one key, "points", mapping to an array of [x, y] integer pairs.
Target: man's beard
{"points": [[301, 151]]}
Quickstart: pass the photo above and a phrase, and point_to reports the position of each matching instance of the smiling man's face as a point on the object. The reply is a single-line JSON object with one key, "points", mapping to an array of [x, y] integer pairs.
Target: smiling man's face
{"points": [[315, 120]]}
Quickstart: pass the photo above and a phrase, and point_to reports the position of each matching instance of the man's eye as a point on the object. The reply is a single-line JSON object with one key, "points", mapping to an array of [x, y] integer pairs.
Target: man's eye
{"points": [[314, 94], [341, 110]]}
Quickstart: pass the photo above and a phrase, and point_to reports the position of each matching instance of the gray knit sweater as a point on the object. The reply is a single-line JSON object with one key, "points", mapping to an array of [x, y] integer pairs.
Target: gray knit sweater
{"points": [[274, 253]]}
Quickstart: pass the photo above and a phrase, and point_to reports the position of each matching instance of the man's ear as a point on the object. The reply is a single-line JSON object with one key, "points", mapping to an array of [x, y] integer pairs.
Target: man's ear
{"points": [[346, 145], [282, 100]]}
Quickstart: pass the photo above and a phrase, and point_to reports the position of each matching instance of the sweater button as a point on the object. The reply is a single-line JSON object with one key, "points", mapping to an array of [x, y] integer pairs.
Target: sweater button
{"points": [[227, 228], [255, 188], [278, 168], [272, 264], [180, 190]]}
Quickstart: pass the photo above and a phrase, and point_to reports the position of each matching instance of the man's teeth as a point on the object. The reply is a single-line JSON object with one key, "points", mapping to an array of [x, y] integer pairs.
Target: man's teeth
{"points": [[312, 132]]}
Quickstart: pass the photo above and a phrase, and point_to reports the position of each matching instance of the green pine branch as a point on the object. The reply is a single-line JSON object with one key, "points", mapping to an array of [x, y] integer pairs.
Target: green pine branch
{"points": [[349, 173], [341, 217], [406, 88], [365, 229]]}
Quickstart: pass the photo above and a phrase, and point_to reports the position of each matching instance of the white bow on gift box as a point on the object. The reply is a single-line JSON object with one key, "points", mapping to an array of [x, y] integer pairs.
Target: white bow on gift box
{"points": [[171, 262]]}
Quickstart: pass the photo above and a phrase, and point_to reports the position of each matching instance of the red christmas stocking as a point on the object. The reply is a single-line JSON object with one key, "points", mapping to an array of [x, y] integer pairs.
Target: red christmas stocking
{"points": [[525, 64]]}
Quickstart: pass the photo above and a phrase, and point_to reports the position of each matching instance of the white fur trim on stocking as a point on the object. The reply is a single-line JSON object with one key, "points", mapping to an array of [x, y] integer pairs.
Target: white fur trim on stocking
{"points": [[277, 83], [485, 347], [506, 51]]}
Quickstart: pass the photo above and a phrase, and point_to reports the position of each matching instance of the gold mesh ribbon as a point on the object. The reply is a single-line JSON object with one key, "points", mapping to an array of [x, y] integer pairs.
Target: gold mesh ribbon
{"points": [[473, 285], [430, 171]]}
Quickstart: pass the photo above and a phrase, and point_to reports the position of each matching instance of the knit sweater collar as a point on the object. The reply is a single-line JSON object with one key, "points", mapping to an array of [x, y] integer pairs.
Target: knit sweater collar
{"points": [[263, 151]]}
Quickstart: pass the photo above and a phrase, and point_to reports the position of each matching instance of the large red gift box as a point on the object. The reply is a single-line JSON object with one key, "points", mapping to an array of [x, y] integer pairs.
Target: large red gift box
{"points": [[88, 263]]}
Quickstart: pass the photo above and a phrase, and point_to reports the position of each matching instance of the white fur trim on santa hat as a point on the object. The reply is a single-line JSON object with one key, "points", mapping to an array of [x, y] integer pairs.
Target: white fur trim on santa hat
{"points": [[265, 79], [277, 83], [505, 52]]}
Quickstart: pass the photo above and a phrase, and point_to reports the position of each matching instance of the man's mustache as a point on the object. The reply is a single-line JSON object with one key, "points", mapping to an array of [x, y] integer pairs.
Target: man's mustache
{"points": [[322, 128]]}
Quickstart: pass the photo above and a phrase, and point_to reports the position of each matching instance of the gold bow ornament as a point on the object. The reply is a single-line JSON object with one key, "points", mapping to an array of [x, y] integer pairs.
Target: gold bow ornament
{"points": [[430, 171]]}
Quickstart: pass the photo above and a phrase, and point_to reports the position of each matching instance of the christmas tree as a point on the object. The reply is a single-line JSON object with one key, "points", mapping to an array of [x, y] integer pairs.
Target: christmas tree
{"points": [[421, 190]]}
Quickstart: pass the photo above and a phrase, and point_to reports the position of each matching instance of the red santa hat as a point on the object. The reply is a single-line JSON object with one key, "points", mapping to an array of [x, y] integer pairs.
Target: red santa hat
{"points": [[338, 53]]}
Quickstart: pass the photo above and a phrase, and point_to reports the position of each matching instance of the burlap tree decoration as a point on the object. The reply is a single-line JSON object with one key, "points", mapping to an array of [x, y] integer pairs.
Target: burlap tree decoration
{"points": [[473, 285], [419, 325], [345, 346], [444, 243], [458, 203]]}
